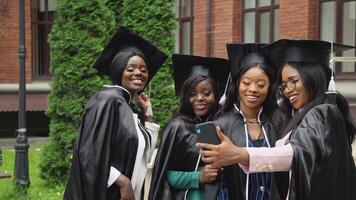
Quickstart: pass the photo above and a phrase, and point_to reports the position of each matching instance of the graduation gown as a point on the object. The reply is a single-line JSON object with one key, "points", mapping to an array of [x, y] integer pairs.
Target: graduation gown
{"points": [[322, 167], [231, 124], [177, 152], [107, 137]]}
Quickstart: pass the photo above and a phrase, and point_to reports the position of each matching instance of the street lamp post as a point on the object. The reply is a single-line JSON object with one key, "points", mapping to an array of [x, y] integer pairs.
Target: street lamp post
{"points": [[21, 146]]}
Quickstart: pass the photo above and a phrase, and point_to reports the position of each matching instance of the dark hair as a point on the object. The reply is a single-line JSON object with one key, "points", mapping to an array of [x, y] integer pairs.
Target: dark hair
{"points": [[315, 78], [232, 96], [189, 85]]}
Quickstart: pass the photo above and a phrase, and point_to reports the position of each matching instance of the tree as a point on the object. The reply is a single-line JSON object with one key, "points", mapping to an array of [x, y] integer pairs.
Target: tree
{"points": [[79, 33]]}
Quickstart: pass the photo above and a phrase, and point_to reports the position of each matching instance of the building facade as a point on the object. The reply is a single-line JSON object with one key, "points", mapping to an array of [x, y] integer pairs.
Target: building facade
{"points": [[38, 21], [209, 24], [204, 28]]}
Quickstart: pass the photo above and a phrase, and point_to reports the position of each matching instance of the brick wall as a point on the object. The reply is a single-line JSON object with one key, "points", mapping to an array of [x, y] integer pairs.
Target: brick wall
{"points": [[298, 19], [225, 26], [9, 41]]}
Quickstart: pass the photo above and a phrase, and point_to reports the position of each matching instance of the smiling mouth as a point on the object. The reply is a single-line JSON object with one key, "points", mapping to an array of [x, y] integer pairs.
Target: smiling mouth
{"points": [[200, 107], [251, 98], [137, 81], [292, 99]]}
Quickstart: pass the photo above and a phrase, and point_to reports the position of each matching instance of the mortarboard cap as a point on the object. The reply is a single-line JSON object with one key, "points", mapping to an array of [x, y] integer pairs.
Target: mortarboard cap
{"points": [[184, 66], [242, 55], [124, 39], [311, 51]]}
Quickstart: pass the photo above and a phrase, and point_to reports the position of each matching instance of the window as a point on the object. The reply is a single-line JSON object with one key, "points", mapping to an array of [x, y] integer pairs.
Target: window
{"points": [[337, 23], [260, 21], [42, 19], [184, 31]]}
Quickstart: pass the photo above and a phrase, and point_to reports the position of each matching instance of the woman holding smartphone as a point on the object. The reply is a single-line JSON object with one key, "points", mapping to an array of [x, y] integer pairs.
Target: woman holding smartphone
{"points": [[178, 171], [315, 146], [249, 118]]}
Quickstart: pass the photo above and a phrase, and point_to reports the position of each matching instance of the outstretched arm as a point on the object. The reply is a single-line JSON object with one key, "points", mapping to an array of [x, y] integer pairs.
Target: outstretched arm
{"points": [[225, 153]]}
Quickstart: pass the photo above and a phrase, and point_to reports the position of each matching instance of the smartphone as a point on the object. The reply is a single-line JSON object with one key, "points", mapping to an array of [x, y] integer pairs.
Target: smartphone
{"points": [[206, 133]]}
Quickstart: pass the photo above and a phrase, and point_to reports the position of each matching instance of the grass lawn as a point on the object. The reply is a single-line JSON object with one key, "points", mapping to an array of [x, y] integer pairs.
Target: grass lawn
{"points": [[38, 188]]}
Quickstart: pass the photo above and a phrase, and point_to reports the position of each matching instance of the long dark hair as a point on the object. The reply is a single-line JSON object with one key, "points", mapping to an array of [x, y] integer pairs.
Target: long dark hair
{"points": [[315, 79], [189, 85], [232, 97]]}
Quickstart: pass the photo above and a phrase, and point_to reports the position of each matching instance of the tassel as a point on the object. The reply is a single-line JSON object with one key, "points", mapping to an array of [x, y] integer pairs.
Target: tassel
{"points": [[223, 98], [331, 94], [332, 85]]}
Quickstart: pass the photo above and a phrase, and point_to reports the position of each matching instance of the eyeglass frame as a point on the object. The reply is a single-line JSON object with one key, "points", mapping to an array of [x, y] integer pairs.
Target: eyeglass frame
{"points": [[290, 84]]}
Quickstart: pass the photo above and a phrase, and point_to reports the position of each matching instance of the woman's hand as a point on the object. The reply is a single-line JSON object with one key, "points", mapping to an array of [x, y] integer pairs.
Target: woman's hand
{"points": [[126, 190], [223, 154], [208, 174], [143, 101]]}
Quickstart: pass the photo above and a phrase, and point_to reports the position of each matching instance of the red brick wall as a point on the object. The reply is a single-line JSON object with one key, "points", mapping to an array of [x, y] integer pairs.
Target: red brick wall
{"points": [[223, 23], [9, 41], [199, 27], [225, 26], [298, 19]]}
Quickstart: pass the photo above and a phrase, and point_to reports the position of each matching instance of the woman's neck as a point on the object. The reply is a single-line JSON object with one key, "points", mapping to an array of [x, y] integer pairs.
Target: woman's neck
{"points": [[250, 113]]}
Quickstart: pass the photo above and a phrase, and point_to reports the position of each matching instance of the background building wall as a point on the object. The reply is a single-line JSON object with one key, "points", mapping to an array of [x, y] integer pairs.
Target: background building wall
{"points": [[9, 41]]}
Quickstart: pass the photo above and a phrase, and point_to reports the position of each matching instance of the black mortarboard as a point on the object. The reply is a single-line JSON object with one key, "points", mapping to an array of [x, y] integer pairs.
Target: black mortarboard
{"points": [[242, 55], [311, 51], [185, 66], [126, 40]]}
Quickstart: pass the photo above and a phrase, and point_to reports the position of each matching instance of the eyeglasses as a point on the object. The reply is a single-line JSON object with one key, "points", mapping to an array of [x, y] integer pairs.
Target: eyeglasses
{"points": [[290, 84]]}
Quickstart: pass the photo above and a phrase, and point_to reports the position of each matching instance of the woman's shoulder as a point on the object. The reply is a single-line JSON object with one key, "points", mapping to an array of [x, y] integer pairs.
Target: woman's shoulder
{"points": [[228, 117], [177, 122], [323, 111]]}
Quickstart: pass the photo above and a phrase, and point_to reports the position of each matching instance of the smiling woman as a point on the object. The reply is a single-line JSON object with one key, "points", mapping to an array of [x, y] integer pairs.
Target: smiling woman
{"points": [[115, 143], [249, 118], [178, 170], [315, 146]]}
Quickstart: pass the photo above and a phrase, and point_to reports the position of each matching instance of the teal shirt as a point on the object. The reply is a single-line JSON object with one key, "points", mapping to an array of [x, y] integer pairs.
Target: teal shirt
{"points": [[186, 180]]}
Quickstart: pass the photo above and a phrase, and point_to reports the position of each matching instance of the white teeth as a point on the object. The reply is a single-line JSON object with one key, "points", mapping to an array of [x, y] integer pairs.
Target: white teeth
{"points": [[251, 97], [137, 81], [292, 98]]}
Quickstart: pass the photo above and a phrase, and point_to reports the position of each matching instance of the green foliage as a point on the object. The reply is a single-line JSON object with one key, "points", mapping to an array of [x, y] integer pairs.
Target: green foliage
{"points": [[79, 33], [39, 189], [155, 21]]}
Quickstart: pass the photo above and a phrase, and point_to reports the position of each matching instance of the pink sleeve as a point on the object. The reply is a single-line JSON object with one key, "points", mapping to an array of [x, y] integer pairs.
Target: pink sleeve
{"points": [[265, 159]]}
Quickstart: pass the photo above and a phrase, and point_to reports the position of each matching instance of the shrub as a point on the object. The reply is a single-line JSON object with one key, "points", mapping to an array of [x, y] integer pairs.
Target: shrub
{"points": [[80, 30]]}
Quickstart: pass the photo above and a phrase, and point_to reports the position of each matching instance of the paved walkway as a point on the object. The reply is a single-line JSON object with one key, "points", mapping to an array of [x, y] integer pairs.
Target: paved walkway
{"points": [[34, 142]]}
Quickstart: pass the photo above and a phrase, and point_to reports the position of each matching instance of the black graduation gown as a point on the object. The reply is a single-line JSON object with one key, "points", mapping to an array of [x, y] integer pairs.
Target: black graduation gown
{"points": [[107, 137], [323, 167], [232, 125], [177, 152]]}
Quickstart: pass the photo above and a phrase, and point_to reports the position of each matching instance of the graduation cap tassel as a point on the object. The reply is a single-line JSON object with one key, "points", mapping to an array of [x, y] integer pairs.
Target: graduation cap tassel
{"points": [[223, 98], [331, 93], [332, 84]]}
